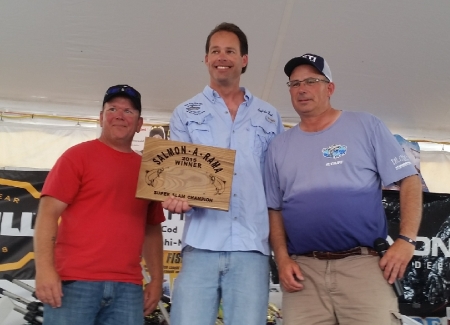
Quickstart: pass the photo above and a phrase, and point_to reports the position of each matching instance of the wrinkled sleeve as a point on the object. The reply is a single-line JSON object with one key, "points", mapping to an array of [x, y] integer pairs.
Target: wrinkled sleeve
{"points": [[392, 162], [271, 180]]}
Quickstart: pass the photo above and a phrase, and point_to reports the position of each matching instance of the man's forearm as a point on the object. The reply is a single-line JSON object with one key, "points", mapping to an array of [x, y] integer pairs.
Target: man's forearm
{"points": [[410, 206], [46, 229], [277, 235], [153, 252]]}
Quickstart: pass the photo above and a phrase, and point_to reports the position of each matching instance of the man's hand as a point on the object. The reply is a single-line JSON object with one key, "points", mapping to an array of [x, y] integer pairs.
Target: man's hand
{"points": [[152, 294], [290, 275], [48, 287], [176, 205], [396, 260]]}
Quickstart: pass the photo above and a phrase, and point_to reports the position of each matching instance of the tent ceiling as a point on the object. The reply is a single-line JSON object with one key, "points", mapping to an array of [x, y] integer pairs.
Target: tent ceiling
{"points": [[389, 58]]}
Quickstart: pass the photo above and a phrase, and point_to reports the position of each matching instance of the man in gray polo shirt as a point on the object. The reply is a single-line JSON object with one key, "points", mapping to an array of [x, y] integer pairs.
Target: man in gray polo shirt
{"points": [[323, 187]]}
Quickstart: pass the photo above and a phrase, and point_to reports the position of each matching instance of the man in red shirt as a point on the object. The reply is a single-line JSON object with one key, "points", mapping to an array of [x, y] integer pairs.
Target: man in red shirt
{"points": [[88, 269]]}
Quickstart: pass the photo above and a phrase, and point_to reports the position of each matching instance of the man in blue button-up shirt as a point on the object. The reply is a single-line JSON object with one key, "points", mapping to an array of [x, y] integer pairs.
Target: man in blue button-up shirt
{"points": [[226, 254]]}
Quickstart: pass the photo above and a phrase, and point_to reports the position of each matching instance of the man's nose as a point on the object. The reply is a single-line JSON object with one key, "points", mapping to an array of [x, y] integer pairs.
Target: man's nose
{"points": [[119, 115], [222, 56]]}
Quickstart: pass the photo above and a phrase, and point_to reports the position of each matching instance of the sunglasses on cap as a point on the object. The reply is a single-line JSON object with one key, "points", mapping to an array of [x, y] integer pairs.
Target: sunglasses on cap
{"points": [[123, 89]]}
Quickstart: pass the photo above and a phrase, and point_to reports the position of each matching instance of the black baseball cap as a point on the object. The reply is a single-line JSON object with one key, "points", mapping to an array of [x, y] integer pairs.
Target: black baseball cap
{"points": [[314, 60], [124, 91]]}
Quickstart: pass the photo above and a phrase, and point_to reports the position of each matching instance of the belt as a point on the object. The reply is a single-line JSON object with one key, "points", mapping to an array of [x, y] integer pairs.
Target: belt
{"points": [[342, 254]]}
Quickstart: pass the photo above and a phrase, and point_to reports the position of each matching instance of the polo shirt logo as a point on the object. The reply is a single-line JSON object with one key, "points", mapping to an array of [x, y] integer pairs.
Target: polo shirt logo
{"points": [[194, 108], [334, 151]]}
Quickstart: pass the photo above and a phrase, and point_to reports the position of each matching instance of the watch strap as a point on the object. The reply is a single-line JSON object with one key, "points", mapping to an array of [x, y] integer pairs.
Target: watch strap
{"points": [[409, 240]]}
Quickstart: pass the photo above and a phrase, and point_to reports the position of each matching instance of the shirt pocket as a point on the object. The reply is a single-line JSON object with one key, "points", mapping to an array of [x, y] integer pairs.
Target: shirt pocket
{"points": [[263, 132], [200, 129]]}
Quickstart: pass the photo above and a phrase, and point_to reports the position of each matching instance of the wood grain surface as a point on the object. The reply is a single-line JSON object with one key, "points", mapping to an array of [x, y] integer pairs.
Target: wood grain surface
{"points": [[201, 174]]}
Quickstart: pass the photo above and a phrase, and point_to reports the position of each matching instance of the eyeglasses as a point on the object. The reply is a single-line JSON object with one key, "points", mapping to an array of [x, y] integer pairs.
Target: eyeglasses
{"points": [[307, 81], [123, 89]]}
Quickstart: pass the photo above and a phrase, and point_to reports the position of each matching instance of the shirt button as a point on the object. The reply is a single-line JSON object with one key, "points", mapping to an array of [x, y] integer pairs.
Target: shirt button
{"points": [[226, 112], [234, 194], [235, 174]]}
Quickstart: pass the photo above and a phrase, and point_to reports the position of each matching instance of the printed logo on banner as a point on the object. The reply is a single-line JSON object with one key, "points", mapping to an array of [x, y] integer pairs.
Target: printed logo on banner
{"points": [[172, 234], [172, 230], [430, 320], [19, 198]]}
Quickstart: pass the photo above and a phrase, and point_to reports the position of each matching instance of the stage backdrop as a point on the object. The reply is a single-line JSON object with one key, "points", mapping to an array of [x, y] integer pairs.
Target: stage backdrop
{"points": [[426, 284], [427, 280], [19, 198]]}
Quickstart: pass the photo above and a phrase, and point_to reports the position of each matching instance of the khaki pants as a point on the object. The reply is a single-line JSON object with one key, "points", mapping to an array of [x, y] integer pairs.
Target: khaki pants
{"points": [[348, 291]]}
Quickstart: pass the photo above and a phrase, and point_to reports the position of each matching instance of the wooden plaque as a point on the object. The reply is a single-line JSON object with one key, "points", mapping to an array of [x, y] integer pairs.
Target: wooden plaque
{"points": [[201, 174]]}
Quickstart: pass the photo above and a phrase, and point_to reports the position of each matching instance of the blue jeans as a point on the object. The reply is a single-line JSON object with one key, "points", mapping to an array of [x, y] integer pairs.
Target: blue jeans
{"points": [[239, 279], [98, 303]]}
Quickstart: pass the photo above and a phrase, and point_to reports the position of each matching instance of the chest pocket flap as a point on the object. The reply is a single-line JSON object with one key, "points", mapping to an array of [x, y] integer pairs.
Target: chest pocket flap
{"points": [[264, 130], [199, 127]]}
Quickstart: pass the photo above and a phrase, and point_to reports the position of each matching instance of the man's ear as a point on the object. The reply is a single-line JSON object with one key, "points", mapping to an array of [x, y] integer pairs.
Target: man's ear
{"points": [[244, 60], [140, 123], [331, 88]]}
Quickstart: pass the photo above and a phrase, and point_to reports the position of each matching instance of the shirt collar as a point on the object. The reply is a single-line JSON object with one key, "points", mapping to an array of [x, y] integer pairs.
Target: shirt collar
{"points": [[212, 95]]}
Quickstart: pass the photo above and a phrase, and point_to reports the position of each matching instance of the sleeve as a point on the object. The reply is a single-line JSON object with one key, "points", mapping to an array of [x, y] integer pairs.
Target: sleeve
{"points": [[64, 179], [279, 124], [178, 128], [271, 180], [155, 213], [392, 162], [179, 132]]}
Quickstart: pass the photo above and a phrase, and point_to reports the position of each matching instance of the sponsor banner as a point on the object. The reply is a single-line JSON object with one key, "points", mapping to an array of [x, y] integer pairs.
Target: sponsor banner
{"points": [[159, 132], [172, 230], [172, 234], [427, 279], [172, 266], [431, 320], [426, 282], [19, 198]]}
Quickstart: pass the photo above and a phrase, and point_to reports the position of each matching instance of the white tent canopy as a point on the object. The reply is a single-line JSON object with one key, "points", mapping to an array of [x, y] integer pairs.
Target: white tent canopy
{"points": [[387, 57], [57, 59]]}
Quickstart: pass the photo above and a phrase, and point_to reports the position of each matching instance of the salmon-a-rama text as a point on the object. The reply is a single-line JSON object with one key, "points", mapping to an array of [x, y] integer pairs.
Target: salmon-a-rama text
{"points": [[170, 152]]}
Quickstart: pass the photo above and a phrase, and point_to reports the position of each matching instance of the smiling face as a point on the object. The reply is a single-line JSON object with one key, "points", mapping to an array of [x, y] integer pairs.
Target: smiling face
{"points": [[224, 59], [119, 121], [310, 100]]}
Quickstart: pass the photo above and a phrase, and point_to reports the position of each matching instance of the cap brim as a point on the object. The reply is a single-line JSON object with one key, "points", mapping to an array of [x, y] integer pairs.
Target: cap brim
{"points": [[295, 62]]}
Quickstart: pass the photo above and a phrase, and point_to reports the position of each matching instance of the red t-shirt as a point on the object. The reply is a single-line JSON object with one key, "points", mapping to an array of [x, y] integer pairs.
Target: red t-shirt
{"points": [[101, 233]]}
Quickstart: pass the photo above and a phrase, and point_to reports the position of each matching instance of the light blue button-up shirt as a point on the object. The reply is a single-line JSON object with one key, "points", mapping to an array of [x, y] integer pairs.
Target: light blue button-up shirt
{"points": [[205, 119]]}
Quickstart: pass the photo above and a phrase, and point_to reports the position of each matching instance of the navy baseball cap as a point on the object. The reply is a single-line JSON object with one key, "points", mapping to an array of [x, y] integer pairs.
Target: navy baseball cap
{"points": [[314, 60], [124, 91]]}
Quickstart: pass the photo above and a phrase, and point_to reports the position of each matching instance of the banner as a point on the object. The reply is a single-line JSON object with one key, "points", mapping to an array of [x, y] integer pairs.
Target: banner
{"points": [[427, 279], [426, 282], [19, 198]]}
